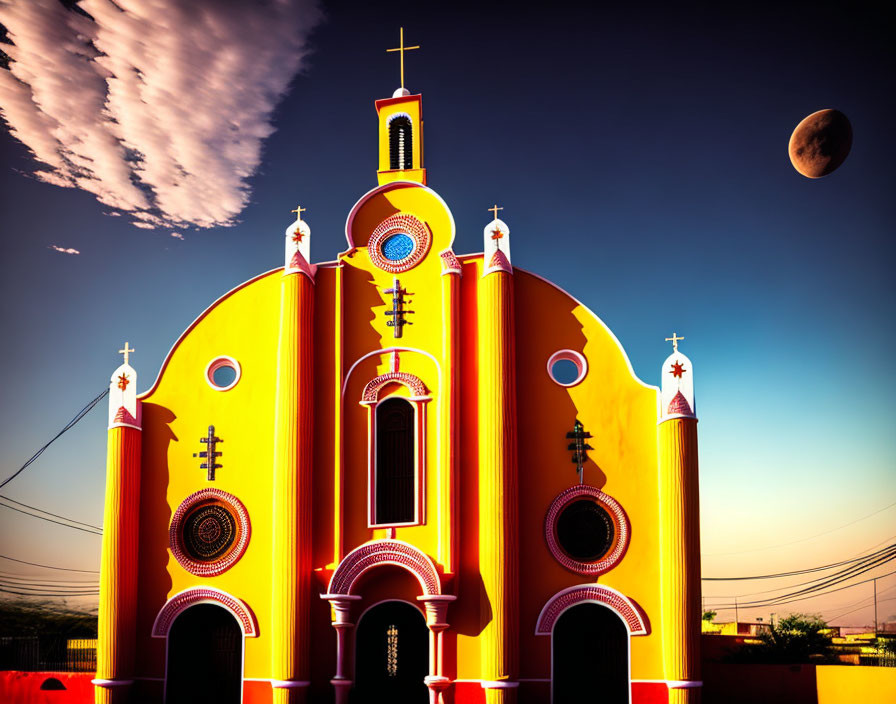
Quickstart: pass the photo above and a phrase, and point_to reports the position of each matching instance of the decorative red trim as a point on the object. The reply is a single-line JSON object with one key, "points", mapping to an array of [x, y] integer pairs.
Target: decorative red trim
{"points": [[175, 543], [372, 388], [620, 521], [450, 263], [385, 552], [123, 416], [203, 595], [679, 405], [567, 598], [499, 262], [405, 223]]}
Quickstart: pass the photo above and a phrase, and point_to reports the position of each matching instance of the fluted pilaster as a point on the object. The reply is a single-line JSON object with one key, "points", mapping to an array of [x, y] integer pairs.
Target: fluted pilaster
{"points": [[292, 492], [118, 567], [498, 494], [680, 536]]}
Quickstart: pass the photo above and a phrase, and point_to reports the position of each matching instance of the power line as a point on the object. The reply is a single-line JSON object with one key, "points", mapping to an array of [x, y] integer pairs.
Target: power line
{"points": [[801, 540], [5, 576], [880, 601], [797, 572], [83, 412], [785, 598], [49, 567], [845, 573], [50, 520], [9, 591], [55, 515]]}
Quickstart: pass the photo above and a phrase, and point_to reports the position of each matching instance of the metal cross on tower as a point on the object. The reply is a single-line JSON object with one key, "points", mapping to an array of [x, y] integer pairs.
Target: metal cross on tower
{"points": [[579, 456], [401, 48], [398, 311], [675, 339], [210, 454], [126, 352]]}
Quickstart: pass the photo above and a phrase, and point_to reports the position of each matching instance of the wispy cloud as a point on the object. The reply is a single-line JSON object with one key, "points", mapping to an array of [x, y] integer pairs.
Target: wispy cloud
{"points": [[157, 107], [177, 235], [64, 250]]}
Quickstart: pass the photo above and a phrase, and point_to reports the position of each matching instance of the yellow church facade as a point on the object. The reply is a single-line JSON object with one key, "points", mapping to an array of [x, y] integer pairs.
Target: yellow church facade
{"points": [[403, 475]]}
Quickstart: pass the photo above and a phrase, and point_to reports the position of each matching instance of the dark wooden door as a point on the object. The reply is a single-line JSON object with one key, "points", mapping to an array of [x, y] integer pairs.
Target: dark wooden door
{"points": [[205, 652], [391, 655], [590, 651]]}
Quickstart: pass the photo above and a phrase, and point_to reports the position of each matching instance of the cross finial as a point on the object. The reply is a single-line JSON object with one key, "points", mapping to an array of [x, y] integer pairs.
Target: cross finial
{"points": [[126, 352], [401, 48], [494, 209], [298, 211], [674, 340]]}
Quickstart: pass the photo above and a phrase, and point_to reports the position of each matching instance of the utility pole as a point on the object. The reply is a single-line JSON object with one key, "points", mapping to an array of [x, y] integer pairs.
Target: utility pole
{"points": [[875, 606], [736, 619]]}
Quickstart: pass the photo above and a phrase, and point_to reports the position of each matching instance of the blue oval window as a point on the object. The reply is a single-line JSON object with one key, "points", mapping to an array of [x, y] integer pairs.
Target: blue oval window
{"points": [[397, 247]]}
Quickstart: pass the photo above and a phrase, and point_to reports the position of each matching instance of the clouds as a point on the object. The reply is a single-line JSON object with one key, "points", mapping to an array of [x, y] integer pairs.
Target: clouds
{"points": [[64, 250], [157, 107], [177, 235]]}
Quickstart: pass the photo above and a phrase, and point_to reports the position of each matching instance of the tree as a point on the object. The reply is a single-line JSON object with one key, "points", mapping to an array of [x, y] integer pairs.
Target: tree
{"points": [[798, 638], [708, 616]]}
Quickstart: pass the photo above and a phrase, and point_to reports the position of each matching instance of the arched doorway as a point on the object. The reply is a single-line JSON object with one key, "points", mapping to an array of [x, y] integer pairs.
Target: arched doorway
{"points": [[205, 653], [391, 655], [590, 656]]}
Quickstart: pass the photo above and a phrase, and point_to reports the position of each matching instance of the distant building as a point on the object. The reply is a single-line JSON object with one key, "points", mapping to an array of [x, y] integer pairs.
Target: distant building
{"points": [[332, 488]]}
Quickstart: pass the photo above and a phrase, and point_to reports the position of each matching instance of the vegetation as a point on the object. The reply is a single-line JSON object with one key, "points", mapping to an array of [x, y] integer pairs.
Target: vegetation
{"points": [[20, 618], [796, 639], [708, 616]]}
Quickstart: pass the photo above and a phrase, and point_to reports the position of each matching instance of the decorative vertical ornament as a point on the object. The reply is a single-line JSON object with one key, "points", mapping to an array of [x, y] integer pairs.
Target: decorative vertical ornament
{"points": [[210, 453], [297, 258], [579, 447], [398, 312], [677, 398], [496, 245]]}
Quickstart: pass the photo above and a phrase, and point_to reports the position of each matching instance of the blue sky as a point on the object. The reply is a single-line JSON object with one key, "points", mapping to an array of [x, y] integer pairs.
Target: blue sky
{"points": [[640, 155]]}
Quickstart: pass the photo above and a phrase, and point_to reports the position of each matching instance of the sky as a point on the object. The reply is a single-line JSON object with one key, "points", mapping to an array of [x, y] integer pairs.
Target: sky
{"points": [[151, 152]]}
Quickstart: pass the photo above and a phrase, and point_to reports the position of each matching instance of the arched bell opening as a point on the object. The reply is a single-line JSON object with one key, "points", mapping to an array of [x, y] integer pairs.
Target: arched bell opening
{"points": [[401, 142], [205, 657]]}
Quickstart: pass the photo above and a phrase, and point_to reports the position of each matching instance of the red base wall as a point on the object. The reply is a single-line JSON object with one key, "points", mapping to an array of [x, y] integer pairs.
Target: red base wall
{"points": [[25, 687]]}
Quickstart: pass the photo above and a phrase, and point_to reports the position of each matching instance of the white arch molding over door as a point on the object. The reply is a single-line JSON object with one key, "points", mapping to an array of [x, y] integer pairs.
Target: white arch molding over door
{"points": [[366, 557]]}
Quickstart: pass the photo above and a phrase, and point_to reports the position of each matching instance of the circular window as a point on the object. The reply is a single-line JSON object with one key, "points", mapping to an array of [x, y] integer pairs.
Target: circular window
{"points": [[399, 243], [222, 373], [209, 532], [398, 246], [586, 530], [567, 367]]}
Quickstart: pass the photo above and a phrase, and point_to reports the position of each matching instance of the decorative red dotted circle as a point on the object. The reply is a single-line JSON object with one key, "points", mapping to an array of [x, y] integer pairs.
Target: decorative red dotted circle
{"points": [[178, 543], [393, 225], [620, 523]]}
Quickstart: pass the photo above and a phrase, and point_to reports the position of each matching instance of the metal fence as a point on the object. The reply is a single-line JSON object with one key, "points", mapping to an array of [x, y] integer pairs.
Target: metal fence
{"points": [[879, 660], [51, 653]]}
